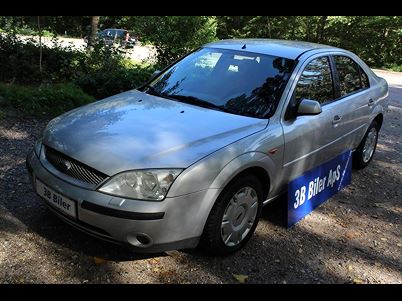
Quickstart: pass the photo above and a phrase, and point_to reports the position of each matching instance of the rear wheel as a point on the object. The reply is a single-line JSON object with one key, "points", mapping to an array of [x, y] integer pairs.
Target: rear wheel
{"points": [[234, 216], [365, 151]]}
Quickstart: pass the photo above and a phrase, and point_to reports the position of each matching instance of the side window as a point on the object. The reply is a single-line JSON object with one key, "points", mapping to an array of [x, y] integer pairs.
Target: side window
{"points": [[349, 75], [316, 81], [364, 77]]}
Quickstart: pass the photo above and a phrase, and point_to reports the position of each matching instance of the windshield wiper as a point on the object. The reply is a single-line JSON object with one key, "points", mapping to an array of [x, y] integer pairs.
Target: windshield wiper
{"points": [[157, 93], [199, 102], [188, 99], [154, 91]]}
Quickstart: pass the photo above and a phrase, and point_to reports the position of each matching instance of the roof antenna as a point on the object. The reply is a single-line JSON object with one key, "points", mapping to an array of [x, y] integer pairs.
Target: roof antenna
{"points": [[244, 46]]}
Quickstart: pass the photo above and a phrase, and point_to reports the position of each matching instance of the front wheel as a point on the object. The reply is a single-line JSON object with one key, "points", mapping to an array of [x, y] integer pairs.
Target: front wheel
{"points": [[234, 216], [365, 151]]}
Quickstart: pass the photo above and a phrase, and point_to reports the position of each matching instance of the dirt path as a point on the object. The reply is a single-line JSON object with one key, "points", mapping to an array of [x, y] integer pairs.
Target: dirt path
{"points": [[353, 237], [138, 53]]}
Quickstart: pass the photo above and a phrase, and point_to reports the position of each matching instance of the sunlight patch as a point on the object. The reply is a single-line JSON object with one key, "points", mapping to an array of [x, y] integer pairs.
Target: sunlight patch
{"points": [[12, 134]]}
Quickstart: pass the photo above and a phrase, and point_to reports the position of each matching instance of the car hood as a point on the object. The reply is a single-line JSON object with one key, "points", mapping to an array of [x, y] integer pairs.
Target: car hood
{"points": [[135, 130]]}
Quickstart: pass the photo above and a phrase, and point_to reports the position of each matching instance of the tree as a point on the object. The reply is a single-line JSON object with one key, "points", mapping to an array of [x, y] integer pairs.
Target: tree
{"points": [[376, 39], [94, 30], [172, 36], [40, 45]]}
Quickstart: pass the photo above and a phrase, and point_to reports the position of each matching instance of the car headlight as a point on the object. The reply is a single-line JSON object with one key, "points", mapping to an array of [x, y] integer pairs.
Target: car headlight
{"points": [[151, 184]]}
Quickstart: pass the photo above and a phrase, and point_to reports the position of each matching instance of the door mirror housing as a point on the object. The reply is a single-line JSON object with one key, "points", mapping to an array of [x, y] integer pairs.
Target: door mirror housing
{"points": [[309, 107]]}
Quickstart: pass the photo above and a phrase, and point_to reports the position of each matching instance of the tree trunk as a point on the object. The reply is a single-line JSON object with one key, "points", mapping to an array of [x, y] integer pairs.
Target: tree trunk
{"points": [[40, 45], [320, 32], [269, 27], [308, 28], [94, 29]]}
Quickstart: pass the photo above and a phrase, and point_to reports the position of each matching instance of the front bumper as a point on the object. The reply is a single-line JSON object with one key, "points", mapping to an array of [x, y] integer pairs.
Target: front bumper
{"points": [[174, 223]]}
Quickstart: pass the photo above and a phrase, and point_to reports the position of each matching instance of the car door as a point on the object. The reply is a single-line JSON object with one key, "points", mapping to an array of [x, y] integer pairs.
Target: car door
{"points": [[310, 140], [354, 101]]}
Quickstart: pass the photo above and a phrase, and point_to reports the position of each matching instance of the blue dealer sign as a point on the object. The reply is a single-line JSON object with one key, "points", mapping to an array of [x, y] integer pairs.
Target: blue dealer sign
{"points": [[308, 191]]}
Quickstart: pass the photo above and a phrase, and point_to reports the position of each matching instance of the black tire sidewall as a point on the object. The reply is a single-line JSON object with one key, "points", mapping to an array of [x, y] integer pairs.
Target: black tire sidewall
{"points": [[215, 243], [358, 155]]}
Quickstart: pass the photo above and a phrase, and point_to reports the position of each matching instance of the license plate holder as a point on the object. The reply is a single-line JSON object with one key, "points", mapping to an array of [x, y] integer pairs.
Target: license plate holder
{"points": [[56, 199]]}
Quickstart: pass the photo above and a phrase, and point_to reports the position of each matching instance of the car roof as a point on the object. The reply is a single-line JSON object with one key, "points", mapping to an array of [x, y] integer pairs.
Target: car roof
{"points": [[116, 29], [282, 48]]}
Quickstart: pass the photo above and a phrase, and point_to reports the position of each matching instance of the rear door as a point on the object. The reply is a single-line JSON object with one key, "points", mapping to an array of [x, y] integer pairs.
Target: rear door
{"points": [[354, 101]]}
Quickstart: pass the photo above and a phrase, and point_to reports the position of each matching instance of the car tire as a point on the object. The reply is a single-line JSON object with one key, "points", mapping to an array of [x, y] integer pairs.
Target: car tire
{"points": [[366, 149], [212, 239]]}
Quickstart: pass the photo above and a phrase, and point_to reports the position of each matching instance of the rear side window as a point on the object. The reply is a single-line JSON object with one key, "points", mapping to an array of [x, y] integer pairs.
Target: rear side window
{"points": [[315, 83], [349, 75]]}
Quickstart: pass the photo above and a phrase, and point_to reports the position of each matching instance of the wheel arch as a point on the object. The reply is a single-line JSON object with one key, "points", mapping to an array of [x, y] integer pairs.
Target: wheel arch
{"points": [[255, 163], [260, 173], [379, 119], [260, 166]]}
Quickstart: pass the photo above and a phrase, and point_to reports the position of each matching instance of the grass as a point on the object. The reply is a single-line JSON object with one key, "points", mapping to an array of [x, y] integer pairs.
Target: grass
{"points": [[43, 100], [393, 67]]}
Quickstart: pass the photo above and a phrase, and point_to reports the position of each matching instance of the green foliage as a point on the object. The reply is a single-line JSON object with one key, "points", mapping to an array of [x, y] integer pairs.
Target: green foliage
{"points": [[393, 67], [100, 71], [76, 26], [46, 99], [376, 39], [19, 61], [173, 36], [103, 72], [27, 31], [102, 83]]}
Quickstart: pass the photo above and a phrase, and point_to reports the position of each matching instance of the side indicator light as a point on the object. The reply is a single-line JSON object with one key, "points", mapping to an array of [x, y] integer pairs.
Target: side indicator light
{"points": [[272, 151]]}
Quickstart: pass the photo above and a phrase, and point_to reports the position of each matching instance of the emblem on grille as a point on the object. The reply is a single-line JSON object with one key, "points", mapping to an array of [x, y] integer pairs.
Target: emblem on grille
{"points": [[73, 168], [66, 165]]}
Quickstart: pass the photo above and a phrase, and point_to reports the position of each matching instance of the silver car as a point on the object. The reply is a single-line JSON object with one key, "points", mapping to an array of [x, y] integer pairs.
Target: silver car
{"points": [[191, 157]]}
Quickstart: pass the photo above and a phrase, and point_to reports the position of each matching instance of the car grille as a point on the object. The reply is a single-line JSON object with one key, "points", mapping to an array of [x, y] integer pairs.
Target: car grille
{"points": [[73, 168]]}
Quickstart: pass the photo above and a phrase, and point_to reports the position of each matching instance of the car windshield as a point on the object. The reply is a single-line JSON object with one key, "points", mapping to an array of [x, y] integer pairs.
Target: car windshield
{"points": [[237, 82], [113, 32]]}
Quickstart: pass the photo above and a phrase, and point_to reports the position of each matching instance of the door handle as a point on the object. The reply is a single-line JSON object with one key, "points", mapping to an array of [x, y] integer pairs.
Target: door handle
{"points": [[336, 119], [371, 102]]}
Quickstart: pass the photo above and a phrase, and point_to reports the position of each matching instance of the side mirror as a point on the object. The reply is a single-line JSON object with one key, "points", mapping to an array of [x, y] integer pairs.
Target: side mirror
{"points": [[309, 107], [156, 72]]}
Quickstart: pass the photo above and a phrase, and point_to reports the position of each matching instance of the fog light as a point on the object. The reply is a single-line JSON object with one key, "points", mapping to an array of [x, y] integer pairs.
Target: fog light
{"points": [[140, 240], [143, 239]]}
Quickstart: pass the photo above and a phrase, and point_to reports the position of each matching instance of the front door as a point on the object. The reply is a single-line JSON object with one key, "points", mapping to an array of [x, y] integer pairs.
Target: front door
{"points": [[311, 140]]}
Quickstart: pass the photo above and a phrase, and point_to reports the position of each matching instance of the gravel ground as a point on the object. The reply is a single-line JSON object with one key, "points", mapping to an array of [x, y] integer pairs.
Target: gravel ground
{"points": [[355, 237]]}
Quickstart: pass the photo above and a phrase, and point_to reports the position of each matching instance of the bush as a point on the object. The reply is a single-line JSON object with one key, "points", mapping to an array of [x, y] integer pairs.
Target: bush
{"points": [[394, 67], [174, 36], [103, 72], [19, 61], [46, 99], [25, 30], [100, 72], [101, 84]]}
